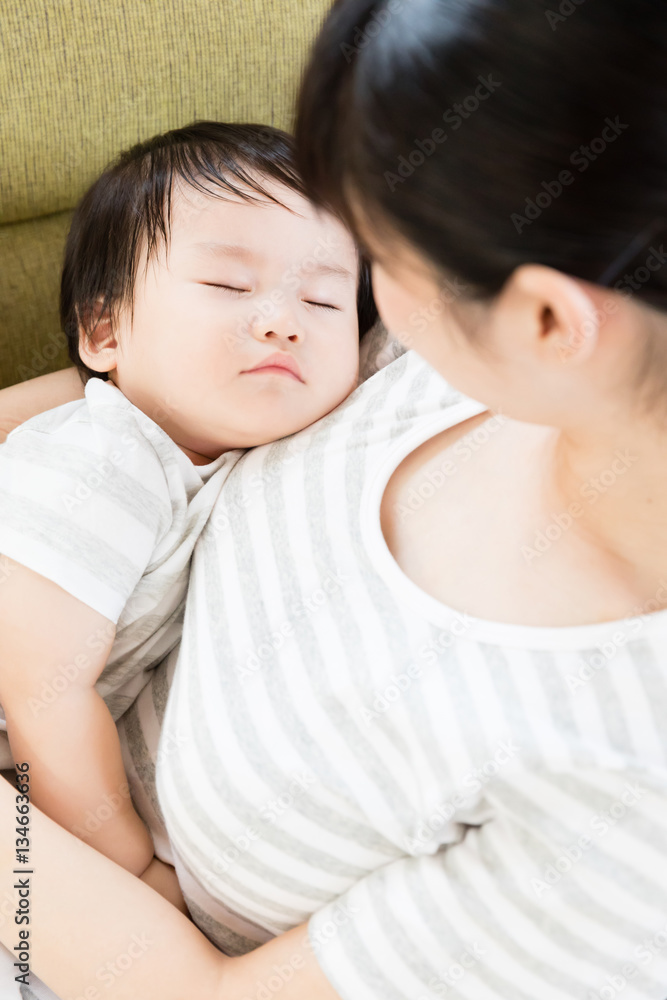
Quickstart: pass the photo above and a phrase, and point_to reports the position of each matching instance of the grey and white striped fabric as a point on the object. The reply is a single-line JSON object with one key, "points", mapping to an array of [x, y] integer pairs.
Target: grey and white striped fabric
{"points": [[459, 808], [96, 497]]}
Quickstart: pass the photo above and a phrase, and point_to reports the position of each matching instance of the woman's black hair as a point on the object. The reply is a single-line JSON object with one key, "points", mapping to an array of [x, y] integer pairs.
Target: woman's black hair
{"points": [[492, 133], [126, 214]]}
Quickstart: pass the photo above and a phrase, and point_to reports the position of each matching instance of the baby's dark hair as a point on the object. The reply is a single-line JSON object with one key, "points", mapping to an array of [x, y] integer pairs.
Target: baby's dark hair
{"points": [[129, 207], [493, 133]]}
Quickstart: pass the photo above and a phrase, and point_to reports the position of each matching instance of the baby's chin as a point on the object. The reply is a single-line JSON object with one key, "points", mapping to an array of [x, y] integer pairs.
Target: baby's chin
{"points": [[280, 424], [270, 419], [274, 430]]}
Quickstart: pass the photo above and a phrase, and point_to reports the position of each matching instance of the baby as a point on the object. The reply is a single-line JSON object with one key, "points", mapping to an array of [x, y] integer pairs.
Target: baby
{"points": [[209, 307]]}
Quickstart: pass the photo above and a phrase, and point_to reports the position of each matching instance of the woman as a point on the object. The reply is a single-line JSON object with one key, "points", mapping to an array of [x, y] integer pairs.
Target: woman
{"points": [[453, 766]]}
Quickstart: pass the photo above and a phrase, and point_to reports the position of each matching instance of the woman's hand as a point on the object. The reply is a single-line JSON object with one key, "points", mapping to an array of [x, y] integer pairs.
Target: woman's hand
{"points": [[24, 400]]}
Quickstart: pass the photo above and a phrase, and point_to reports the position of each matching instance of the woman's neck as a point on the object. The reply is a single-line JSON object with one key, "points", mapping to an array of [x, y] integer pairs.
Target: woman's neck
{"points": [[616, 485], [532, 526]]}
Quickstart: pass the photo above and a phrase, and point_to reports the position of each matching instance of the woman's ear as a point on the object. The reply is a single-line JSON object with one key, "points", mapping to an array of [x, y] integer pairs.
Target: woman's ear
{"points": [[97, 341], [555, 315]]}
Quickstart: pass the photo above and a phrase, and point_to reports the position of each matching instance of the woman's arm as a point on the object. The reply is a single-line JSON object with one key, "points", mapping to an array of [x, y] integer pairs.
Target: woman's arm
{"points": [[24, 400], [87, 915], [118, 939]]}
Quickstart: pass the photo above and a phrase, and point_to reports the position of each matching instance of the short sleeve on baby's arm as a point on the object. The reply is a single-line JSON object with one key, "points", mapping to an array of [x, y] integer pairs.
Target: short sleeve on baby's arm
{"points": [[83, 503]]}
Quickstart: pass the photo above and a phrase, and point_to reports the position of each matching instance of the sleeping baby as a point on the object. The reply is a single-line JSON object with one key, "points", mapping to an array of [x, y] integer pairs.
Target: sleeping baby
{"points": [[209, 307]]}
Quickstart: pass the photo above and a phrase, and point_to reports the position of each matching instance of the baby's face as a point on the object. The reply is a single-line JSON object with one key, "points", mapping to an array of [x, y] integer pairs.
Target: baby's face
{"points": [[243, 285]]}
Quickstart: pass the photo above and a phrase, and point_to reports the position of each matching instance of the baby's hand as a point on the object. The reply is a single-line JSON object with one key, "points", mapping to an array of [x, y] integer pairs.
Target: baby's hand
{"points": [[162, 878]]}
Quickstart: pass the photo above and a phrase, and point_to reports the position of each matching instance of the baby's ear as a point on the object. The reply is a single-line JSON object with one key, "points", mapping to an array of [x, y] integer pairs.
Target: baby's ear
{"points": [[97, 340]]}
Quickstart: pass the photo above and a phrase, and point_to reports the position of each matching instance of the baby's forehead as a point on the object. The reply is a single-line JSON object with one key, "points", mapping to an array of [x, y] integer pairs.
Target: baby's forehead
{"points": [[287, 226]]}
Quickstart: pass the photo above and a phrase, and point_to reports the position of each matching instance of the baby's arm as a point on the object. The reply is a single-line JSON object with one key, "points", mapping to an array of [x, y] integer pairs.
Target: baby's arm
{"points": [[26, 399], [53, 648]]}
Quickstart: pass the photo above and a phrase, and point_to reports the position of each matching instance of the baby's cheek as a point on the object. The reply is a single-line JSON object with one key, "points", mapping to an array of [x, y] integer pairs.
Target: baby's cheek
{"points": [[340, 376], [215, 353]]}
